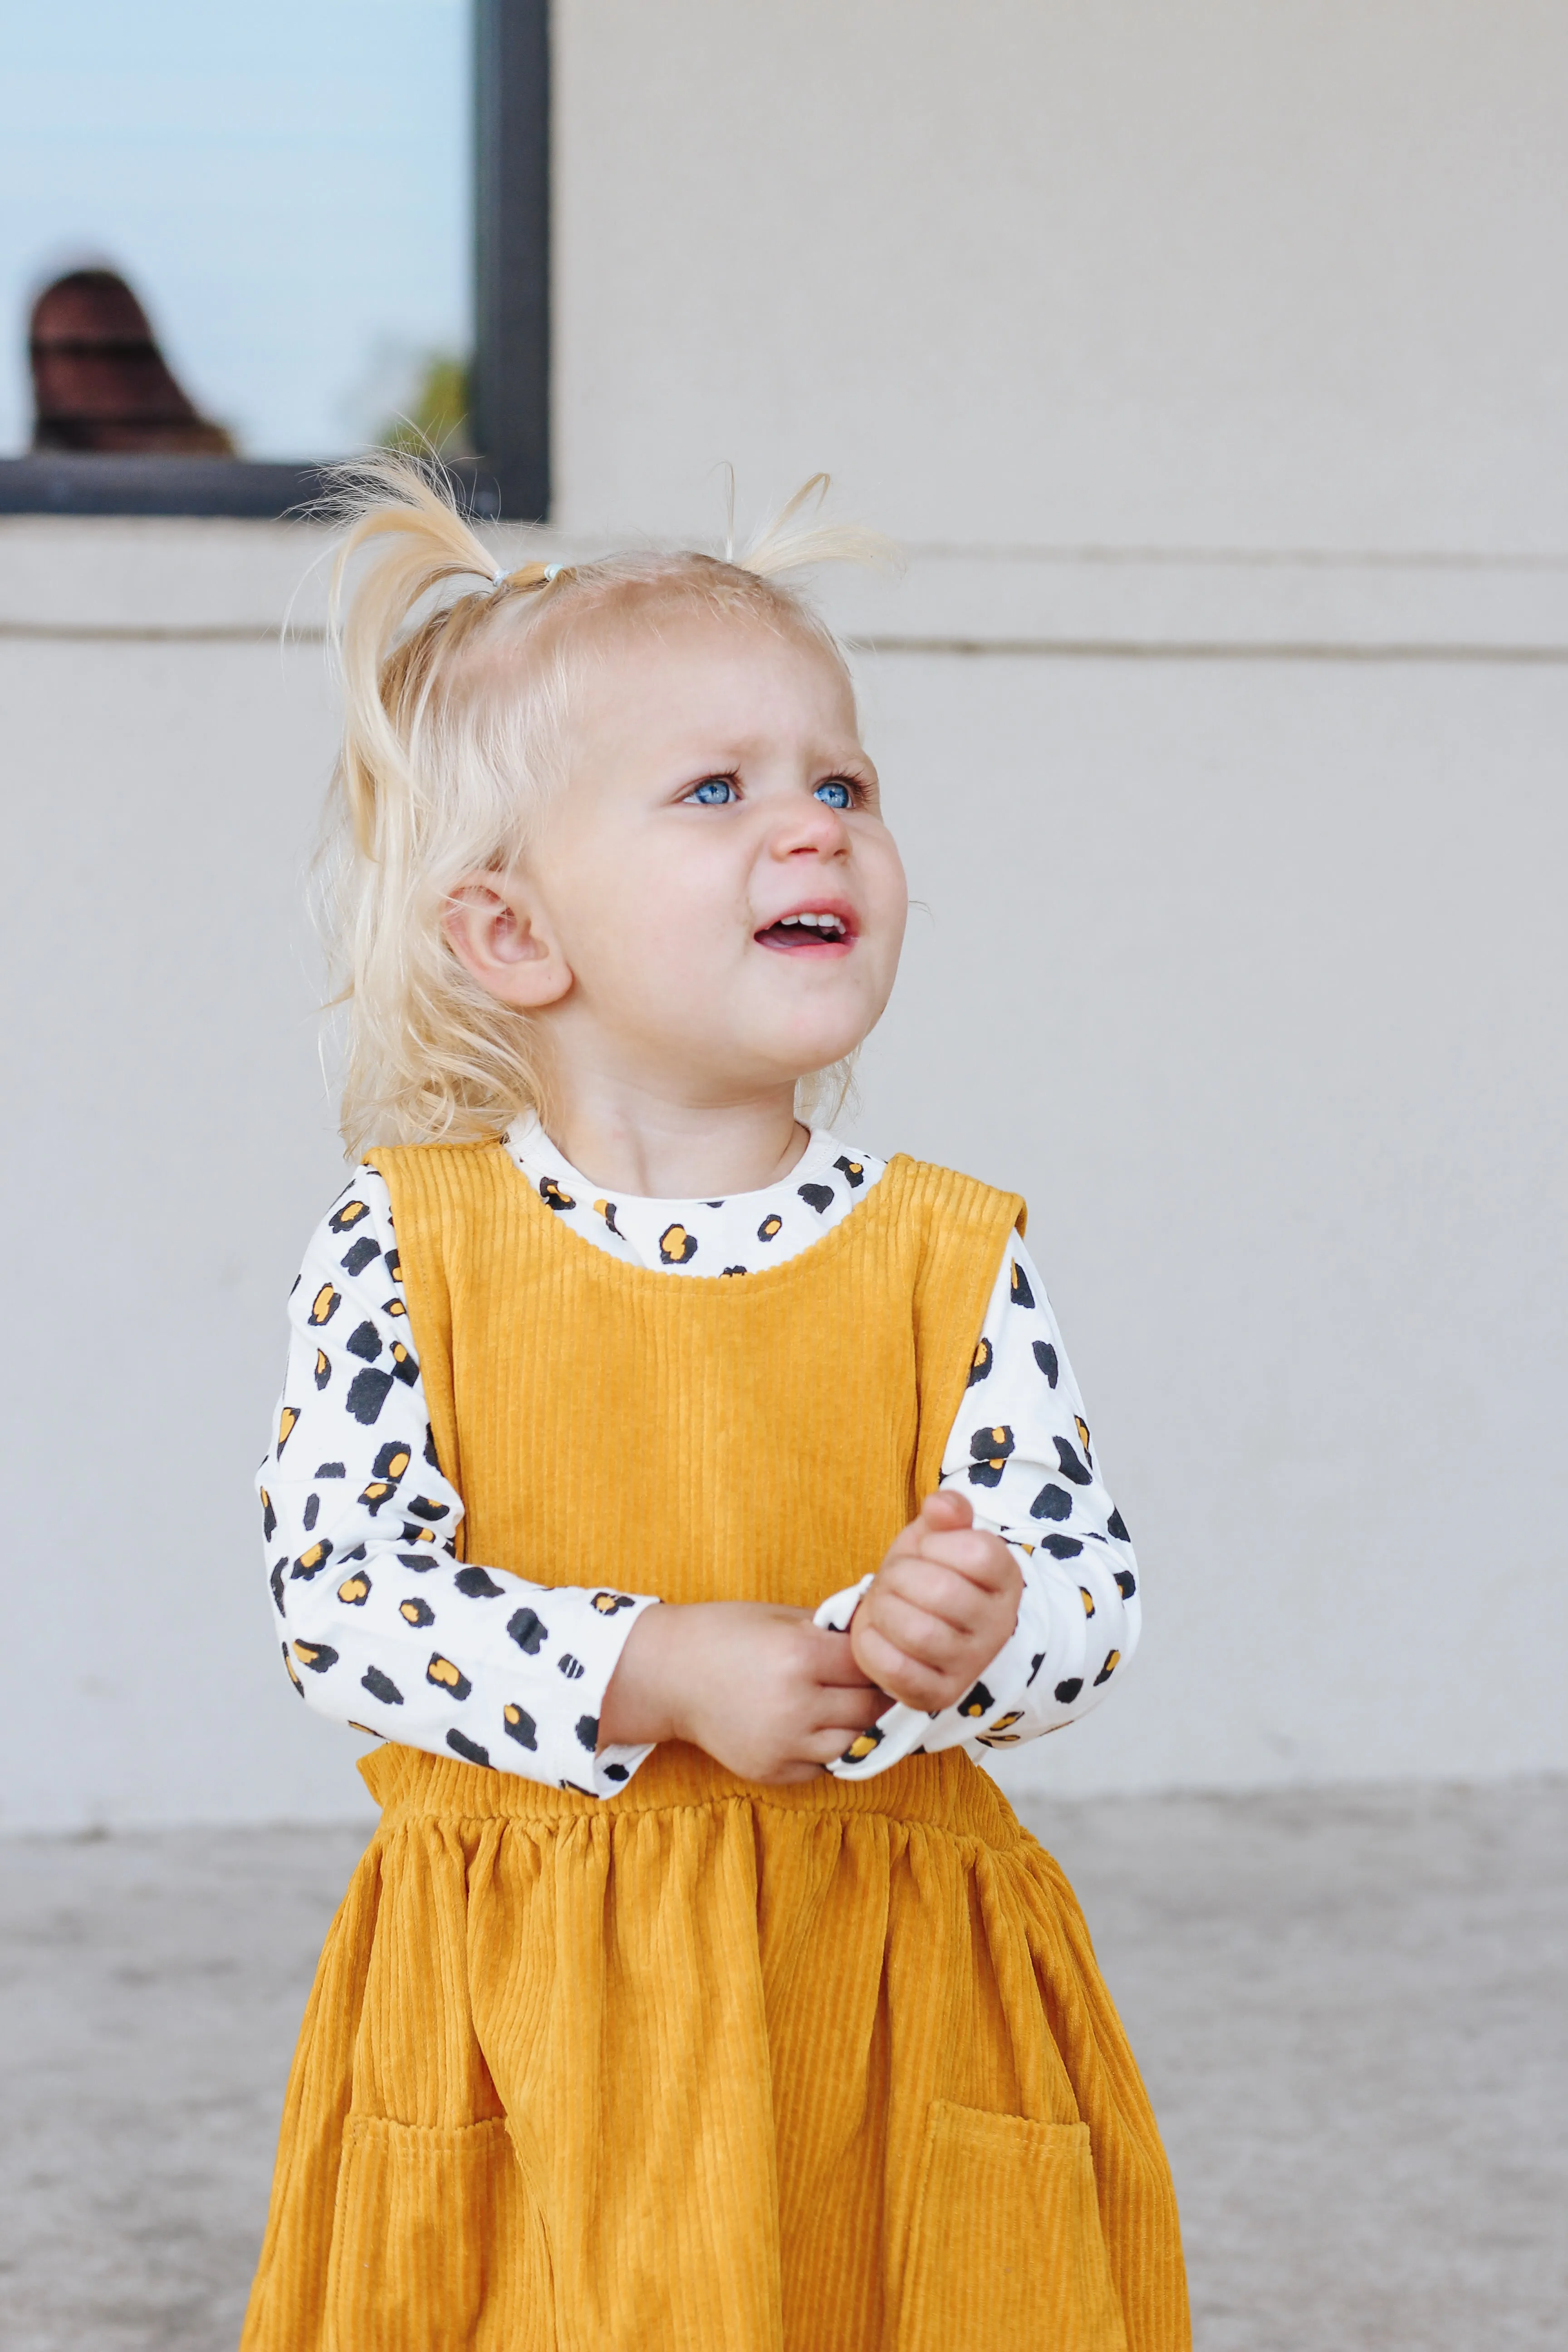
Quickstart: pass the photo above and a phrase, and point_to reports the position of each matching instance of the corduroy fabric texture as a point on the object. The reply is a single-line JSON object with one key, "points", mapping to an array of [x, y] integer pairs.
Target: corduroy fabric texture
{"points": [[708, 2067]]}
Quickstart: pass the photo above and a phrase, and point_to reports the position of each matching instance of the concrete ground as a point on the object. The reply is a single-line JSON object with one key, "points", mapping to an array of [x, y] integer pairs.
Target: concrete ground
{"points": [[1349, 2006]]}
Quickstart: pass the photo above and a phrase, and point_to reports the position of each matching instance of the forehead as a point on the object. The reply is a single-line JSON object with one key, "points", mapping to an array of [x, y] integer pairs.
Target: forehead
{"points": [[671, 675]]}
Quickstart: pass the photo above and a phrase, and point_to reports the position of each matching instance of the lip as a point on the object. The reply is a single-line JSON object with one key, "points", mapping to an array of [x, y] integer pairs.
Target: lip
{"points": [[806, 942]]}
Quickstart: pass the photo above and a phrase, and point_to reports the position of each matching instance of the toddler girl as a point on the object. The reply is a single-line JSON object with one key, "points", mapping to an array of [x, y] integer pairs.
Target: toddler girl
{"points": [[682, 1495]]}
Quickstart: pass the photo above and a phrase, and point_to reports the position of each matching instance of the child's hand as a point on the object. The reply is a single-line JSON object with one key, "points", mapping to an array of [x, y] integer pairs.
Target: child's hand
{"points": [[943, 1604], [766, 1693]]}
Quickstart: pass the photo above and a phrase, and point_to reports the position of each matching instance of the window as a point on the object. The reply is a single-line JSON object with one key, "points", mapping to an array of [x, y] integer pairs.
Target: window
{"points": [[237, 244]]}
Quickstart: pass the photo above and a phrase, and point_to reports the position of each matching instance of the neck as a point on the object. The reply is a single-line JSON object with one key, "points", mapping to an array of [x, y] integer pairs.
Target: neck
{"points": [[630, 1139]]}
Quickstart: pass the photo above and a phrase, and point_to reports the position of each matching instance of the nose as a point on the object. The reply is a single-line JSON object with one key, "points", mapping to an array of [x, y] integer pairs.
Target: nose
{"points": [[812, 829]]}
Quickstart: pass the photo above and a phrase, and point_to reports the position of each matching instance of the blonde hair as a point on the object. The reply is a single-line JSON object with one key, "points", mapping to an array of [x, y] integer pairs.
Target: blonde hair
{"points": [[456, 702]]}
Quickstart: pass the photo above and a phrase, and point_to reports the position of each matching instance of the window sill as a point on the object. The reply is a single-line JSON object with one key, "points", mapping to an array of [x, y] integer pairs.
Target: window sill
{"points": [[59, 482]]}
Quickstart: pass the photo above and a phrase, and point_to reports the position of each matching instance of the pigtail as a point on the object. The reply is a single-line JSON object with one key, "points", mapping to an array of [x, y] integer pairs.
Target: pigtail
{"points": [[794, 539]]}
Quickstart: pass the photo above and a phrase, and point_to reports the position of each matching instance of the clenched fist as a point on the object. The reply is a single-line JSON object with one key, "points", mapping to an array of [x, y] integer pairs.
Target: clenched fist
{"points": [[943, 1604]]}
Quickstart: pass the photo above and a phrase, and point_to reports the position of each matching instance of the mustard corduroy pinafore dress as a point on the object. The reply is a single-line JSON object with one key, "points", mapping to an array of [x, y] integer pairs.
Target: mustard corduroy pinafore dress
{"points": [[708, 2067]]}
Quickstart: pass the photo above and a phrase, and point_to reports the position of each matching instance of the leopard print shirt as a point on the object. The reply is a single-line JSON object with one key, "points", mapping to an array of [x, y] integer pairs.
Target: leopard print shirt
{"points": [[381, 1626]]}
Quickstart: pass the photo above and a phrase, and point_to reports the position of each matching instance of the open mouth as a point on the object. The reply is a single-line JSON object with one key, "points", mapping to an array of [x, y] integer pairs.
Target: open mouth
{"points": [[809, 933]]}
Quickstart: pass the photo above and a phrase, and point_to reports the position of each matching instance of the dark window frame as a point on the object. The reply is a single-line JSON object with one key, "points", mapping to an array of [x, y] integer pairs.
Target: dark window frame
{"points": [[511, 333]]}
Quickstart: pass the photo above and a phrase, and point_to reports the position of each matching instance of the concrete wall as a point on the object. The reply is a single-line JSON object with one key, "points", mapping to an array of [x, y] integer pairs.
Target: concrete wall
{"points": [[1201, 354]]}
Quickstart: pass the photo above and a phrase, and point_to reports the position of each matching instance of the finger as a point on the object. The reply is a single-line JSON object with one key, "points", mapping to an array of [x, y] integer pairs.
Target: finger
{"points": [[918, 1634], [861, 1709], [945, 1510], [830, 1660], [906, 1678], [982, 1559], [940, 1591], [833, 1741]]}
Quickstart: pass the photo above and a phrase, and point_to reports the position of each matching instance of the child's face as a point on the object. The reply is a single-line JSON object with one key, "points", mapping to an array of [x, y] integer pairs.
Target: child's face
{"points": [[717, 795]]}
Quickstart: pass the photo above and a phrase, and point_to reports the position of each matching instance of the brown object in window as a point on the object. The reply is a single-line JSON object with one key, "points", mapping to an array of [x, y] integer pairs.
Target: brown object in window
{"points": [[99, 381]]}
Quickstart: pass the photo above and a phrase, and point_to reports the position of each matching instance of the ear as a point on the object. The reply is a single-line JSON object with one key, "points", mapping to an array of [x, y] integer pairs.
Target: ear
{"points": [[499, 938]]}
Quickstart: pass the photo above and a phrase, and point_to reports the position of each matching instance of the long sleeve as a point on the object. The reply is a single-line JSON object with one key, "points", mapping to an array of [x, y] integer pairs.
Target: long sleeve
{"points": [[1021, 1450], [381, 1625]]}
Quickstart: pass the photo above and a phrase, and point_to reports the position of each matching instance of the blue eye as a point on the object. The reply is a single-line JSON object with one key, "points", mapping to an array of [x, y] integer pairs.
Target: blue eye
{"points": [[834, 794], [713, 792]]}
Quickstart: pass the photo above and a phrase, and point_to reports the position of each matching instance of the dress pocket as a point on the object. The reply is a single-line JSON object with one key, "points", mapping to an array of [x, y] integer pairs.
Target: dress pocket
{"points": [[1006, 2245], [436, 2244]]}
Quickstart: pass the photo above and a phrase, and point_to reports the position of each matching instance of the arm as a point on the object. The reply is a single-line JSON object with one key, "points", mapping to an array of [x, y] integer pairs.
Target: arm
{"points": [[379, 1624], [1021, 1452]]}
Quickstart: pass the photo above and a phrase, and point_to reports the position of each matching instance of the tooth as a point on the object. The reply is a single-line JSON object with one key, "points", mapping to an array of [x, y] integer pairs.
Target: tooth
{"points": [[812, 920]]}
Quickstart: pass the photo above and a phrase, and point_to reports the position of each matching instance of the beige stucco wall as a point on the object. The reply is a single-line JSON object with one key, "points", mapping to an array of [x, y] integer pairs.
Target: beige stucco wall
{"points": [[1222, 710]]}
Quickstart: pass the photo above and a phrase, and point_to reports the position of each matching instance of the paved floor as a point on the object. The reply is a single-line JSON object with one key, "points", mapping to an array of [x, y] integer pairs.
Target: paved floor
{"points": [[1350, 2007]]}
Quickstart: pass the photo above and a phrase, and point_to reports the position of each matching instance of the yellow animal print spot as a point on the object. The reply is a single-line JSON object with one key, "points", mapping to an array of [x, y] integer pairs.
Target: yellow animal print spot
{"points": [[324, 1305]]}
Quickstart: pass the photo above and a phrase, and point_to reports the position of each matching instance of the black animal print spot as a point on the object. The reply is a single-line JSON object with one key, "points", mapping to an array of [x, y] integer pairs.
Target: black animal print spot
{"points": [[393, 1306], [412, 1534], [403, 1367], [852, 1172], [865, 1743], [357, 1553], [352, 1213], [269, 1515], [395, 1265], [280, 1569], [1062, 1547], [816, 1196], [447, 1677], [317, 1655], [359, 1255], [354, 1590], [1052, 1502], [610, 1604], [424, 1508], [1000, 1734], [369, 1729], [1067, 1692], [1035, 1662], [1046, 1357], [979, 1702], [391, 1460], [285, 1421], [469, 1750], [367, 1394], [1081, 1426], [293, 1677], [330, 1470], [677, 1246], [1071, 1468], [550, 1192], [1022, 1293], [733, 1269], [421, 1562], [381, 1686], [618, 1772], [1126, 1583], [477, 1585], [1087, 1597], [520, 1725], [312, 1561], [991, 1448], [588, 1732], [571, 1667], [323, 1368], [980, 1363], [527, 1631], [1113, 1661], [1117, 1526], [324, 1305], [770, 1229], [416, 1611], [365, 1343], [312, 1511]]}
